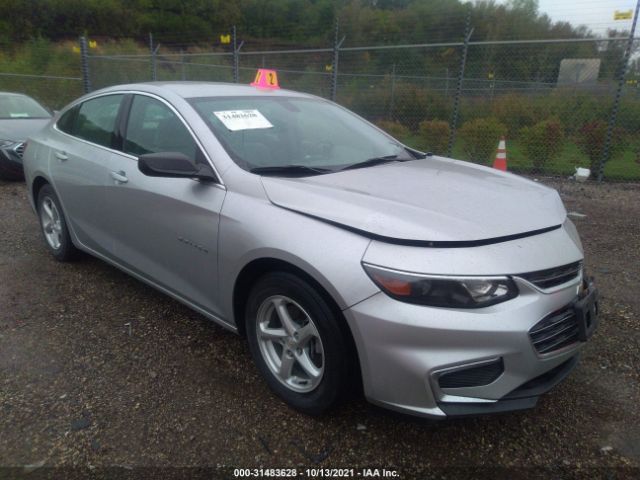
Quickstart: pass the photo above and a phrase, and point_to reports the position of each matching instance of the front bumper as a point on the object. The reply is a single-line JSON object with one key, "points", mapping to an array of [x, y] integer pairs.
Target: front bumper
{"points": [[10, 161], [404, 350]]}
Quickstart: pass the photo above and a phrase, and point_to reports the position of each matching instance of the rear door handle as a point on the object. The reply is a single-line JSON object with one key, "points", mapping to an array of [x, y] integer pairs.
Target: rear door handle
{"points": [[119, 177], [62, 156]]}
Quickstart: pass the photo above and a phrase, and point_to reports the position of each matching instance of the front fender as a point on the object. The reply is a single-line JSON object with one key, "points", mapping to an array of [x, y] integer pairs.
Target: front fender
{"points": [[252, 228]]}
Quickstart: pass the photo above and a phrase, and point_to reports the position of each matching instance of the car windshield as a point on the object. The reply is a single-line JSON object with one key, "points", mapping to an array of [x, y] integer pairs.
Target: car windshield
{"points": [[311, 136], [18, 106]]}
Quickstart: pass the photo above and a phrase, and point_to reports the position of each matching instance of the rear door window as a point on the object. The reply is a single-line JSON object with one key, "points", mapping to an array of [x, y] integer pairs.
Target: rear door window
{"points": [[66, 121], [96, 120]]}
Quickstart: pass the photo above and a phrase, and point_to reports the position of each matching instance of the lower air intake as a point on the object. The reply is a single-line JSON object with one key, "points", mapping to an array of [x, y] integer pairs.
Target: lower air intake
{"points": [[472, 376]]}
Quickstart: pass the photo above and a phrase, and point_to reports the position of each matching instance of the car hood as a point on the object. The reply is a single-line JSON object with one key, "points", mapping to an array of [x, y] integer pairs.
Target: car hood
{"points": [[432, 200], [21, 128]]}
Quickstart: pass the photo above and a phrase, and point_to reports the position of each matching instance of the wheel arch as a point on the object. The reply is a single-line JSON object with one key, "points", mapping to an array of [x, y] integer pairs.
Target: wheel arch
{"points": [[259, 267], [38, 182]]}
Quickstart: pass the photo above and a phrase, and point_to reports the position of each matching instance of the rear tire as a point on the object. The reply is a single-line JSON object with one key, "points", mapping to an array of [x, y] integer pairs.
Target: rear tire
{"points": [[307, 364], [54, 225]]}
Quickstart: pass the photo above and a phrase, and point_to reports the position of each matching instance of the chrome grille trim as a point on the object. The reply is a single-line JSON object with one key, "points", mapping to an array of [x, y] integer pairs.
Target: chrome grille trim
{"points": [[552, 277], [555, 331], [19, 149]]}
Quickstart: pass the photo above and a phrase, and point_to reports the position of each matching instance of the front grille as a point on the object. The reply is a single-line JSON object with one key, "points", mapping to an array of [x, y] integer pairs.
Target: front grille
{"points": [[19, 149], [552, 277], [555, 331], [473, 376]]}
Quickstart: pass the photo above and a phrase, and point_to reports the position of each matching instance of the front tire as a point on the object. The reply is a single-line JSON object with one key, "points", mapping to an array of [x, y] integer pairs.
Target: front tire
{"points": [[297, 343], [54, 226]]}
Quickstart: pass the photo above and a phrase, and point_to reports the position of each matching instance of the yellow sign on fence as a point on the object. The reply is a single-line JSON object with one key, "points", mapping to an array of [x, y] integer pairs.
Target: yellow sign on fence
{"points": [[627, 15], [225, 38]]}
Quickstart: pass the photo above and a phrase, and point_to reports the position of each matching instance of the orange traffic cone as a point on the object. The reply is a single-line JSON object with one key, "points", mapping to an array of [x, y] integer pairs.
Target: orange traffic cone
{"points": [[501, 157]]}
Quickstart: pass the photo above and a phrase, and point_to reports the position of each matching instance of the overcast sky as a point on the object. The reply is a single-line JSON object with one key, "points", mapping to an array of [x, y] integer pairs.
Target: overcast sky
{"points": [[595, 14]]}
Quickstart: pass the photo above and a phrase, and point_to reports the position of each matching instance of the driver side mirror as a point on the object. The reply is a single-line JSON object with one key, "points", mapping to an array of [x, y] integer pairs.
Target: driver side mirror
{"points": [[173, 165]]}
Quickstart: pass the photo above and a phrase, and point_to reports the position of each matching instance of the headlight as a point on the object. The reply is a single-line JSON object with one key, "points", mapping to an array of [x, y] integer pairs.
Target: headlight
{"points": [[443, 291]]}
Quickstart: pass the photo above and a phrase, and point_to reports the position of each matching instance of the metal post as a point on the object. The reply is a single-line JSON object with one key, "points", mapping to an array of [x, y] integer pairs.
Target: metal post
{"points": [[183, 72], [446, 85], [334, 64], [236, 63], [622, 71], [468, 31], [393, 91], [84, 64], [152, 51]]}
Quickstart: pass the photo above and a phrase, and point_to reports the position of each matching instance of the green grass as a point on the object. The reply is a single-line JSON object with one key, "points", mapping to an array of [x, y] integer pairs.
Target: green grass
{"points": [[624, 166]]}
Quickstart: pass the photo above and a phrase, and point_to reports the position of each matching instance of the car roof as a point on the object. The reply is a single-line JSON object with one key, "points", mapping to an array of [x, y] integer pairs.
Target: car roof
{"points": [[205, 89], [13, 94]]}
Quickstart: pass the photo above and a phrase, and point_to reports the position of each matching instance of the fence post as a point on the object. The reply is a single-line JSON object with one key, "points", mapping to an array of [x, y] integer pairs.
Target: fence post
{"points": [[236, 63], [183, 73], [334, 64], [468, 31], [152, 50], [84, 64], [622, 71], [446, 85], [393, 91]]}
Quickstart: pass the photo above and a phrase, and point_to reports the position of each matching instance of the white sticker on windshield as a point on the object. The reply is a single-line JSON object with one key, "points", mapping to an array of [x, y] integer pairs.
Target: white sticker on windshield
{"points": [[236, 120], [19, 115]]}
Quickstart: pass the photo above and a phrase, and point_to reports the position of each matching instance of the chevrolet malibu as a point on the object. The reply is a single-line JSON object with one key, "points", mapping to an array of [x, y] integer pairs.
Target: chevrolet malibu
{"points": [[347, 260]]}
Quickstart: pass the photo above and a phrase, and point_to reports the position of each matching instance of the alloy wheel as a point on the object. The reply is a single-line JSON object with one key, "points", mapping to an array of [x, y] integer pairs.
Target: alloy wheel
{"points": [[290, 343], [51, 223]]}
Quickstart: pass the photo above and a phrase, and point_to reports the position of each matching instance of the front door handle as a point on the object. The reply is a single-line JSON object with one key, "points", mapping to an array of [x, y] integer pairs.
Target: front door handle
{"points": [[62, 156], [119, 177]]}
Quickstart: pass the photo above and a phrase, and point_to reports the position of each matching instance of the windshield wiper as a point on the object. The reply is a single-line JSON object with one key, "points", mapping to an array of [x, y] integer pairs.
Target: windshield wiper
{"points": [[418, 154], [373, 161], [290, 170]]}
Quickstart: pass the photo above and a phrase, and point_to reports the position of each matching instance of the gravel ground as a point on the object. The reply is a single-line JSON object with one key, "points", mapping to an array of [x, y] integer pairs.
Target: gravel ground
{"points": [[97, 369]]}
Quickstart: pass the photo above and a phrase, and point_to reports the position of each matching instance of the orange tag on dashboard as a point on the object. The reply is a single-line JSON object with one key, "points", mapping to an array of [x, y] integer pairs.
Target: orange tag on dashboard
{"points": [[266, 78]]}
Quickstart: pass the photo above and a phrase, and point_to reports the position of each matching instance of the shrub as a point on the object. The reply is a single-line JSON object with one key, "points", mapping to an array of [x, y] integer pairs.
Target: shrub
{"points": [[410, 105], [393, 128], [368, 101], [542, 142], [591, 138], [434, 136], [516, 112], [578, 108], [480, 138]]}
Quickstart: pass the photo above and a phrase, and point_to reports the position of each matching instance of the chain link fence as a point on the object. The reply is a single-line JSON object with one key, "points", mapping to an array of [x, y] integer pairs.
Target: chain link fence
{"points": [[560, 104]]}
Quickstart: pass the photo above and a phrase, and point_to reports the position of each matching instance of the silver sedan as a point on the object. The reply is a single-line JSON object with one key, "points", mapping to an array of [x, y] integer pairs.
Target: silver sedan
{"points": [[348, 260]]}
